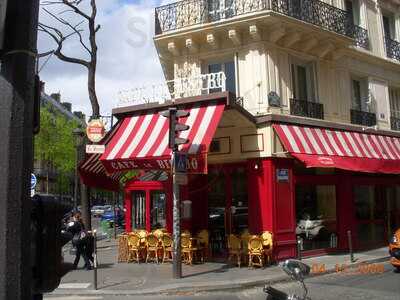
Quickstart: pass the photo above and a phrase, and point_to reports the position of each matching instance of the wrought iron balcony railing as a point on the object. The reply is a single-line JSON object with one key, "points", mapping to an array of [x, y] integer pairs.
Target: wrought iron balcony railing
{"points": [[392, 48], [395, 123], [193, 12], [362, 118], [361, 37], [174, 89], [306, 109]]}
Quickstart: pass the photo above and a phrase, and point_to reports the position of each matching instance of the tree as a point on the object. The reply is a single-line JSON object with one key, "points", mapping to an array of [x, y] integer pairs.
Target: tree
{"points": [[54, 145], [59, 37]]}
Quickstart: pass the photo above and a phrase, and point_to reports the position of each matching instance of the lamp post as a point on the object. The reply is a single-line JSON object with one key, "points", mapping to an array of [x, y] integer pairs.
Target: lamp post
{"points": [[78, 137]]}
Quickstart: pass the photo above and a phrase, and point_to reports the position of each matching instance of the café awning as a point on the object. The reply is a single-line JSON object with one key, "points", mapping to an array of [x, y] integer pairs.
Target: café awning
{"points": [[141, 141], [348, 150]]}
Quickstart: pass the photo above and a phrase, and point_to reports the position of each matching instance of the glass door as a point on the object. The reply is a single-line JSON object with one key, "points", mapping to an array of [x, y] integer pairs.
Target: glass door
{"points": [[239, 204], [158, 216], [138, 210], [370, 215]]}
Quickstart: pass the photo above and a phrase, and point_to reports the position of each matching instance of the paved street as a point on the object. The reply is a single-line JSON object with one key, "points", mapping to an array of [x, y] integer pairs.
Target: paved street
{"points": [[334, 286]]}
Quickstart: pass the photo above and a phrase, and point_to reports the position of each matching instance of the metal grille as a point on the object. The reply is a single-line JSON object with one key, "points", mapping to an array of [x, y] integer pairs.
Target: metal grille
{"points": [[306, 109], [392, 48], [193, 12], [361, 37], [362, 118], [395, 123]]}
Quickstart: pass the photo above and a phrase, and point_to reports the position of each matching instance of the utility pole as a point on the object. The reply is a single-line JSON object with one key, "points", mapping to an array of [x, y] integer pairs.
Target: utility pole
{"points": [[174, 141], [17, 95]]}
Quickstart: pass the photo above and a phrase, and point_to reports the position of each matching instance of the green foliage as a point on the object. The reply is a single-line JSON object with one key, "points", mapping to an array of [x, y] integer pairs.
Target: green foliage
{"points": [[55, 142]]}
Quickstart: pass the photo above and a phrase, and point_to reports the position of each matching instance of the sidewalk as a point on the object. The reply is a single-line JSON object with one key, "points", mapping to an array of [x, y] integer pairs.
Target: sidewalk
{"points": [[141, 279]]}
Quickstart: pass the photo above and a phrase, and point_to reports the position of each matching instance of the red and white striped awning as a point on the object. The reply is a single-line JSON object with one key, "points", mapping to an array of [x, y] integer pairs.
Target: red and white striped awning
{"points": [[141, 142], [318, 147]]}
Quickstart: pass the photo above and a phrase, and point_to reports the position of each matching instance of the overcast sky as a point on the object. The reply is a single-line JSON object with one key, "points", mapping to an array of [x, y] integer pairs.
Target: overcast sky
{"points": [[127, 57]]}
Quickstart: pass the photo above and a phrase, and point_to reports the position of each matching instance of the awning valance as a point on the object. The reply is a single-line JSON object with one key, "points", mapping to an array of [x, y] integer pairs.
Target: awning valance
{"points": [[320, 147], [141, 141]]}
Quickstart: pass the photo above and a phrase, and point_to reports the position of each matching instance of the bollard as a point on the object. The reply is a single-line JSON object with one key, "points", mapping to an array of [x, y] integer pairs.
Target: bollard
{"points": [[299, 248], [350, 246], [95, 260]]}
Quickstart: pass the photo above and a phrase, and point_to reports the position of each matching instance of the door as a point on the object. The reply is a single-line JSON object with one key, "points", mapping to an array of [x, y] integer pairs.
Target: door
{"points": [[227, 205], [369, 204], [138, 210], [392, 211]]}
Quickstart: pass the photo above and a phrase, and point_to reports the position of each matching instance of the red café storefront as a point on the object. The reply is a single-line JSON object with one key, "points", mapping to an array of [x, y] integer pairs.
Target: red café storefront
{"points": [[316, 184]]}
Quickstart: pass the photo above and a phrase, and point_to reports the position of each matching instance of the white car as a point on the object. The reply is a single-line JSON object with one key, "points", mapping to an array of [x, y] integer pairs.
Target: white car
{"points": [[97, 210]]}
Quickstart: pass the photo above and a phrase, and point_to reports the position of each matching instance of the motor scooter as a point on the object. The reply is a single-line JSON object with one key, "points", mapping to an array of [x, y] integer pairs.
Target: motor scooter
{"points": [[297, 270]]}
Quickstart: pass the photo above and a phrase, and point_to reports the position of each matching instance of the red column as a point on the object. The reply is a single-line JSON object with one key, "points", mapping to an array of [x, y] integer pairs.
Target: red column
{"points": [[148, 210], [345, 211], [128, 210], [169, 204]]}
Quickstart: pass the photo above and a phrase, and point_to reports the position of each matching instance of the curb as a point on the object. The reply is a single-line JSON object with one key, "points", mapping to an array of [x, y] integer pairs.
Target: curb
{"points": [[189, 287]]}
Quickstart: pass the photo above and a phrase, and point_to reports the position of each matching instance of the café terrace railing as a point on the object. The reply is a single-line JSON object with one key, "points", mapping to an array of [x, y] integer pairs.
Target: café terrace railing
{"points": [[202, 84], [193, 12]]}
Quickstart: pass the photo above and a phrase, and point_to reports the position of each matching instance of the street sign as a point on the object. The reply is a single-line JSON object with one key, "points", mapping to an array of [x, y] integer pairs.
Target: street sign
{"points": [[33, 181], [95, 149], [180, 160], [95, 130], [181, 178]]}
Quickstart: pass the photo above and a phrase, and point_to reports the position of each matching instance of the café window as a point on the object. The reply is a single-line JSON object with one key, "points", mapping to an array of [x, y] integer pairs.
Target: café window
{"points": [[316, 216], [158, 218], [138, 210]]}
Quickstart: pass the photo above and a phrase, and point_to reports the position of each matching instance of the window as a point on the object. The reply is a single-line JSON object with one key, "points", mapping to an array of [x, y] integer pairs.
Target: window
{"points": [[138, 210], [394, 99], [353, 8], [303, 81], [388, 26], [158, 218], [359, 96], [229, 69], [316, 216]]}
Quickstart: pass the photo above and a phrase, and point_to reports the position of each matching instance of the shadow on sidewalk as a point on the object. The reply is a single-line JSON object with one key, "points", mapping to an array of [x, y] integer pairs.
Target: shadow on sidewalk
{"points": [[221, 269]]}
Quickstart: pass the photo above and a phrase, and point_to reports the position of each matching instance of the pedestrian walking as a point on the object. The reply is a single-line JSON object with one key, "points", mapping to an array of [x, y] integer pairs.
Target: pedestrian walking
{"points": [[81, 242]]}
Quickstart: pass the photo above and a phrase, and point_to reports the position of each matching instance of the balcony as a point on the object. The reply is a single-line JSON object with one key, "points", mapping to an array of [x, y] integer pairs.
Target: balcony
{"points": [[362, 118], [307, 109], [198, 85], [392, 48], [361, 37], [188, 13]]}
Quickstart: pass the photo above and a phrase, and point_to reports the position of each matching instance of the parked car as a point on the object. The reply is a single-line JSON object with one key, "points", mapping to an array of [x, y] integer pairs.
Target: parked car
{"points": [[394, 250], [97, 210], [109, 216]]}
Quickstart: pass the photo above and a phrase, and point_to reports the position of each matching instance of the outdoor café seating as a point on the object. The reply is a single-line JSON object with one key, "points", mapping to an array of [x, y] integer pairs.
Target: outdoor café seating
{"points": [[152, 247]]}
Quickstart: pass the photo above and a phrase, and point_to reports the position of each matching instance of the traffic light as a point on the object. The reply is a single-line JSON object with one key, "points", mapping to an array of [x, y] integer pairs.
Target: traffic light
{"points": [[175, 127], [47, 242]]}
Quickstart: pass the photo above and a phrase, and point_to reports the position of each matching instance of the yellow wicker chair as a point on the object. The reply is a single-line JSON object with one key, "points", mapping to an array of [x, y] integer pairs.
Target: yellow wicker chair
{"points": [[203, 238], [134, 247], [267, 245], [166, 242], [158, 233], [256, 251], [186, 233], [152, 247], [188, 249], [123, 249], [234, 248]]}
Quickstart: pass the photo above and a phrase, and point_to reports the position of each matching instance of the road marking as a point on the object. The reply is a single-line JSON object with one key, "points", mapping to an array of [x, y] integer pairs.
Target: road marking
{"points": [[74, 285], [74, 297]]}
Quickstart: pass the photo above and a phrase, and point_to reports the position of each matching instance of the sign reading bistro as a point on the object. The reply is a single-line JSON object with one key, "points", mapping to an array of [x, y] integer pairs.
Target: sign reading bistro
{"points": [[95, 131]]}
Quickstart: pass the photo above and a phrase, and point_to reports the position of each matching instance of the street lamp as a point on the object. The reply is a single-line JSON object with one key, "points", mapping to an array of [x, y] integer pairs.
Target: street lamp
{"points": [[78, 137]]}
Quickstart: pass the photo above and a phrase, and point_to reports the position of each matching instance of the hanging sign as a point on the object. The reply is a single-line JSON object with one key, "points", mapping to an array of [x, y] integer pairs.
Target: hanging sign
{"points": [[95, 149], [95, 130]]}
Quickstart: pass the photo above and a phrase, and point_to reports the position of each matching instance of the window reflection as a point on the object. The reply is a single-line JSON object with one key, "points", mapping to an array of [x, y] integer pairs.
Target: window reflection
{"points": [[138, 210], [158, 200], [316, 216]]}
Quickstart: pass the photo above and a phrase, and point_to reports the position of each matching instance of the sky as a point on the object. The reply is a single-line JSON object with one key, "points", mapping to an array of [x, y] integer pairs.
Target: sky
{"points": [[127, 57]]}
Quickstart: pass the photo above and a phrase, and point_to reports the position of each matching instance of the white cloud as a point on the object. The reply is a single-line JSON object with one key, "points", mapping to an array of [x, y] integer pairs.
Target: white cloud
{"points": [[126, 57]]}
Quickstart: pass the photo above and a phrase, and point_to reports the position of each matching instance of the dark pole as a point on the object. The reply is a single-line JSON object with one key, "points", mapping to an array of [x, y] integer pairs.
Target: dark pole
{"points": [[115, 213], [17, 90], [76, 179], [176, 263]]}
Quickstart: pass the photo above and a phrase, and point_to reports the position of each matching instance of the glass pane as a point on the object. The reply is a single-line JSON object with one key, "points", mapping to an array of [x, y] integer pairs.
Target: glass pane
{"points": [[392, 209], [302, 83], [369, 234], [386, 26], [216, 211], [316, 216], [230, 77], [215, 68], [366, 205], [138, 210], [158, 201], [239, 201]]}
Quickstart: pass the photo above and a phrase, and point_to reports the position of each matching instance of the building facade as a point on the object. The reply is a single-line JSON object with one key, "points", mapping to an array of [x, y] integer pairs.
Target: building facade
{"points": [[307, 146]]}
